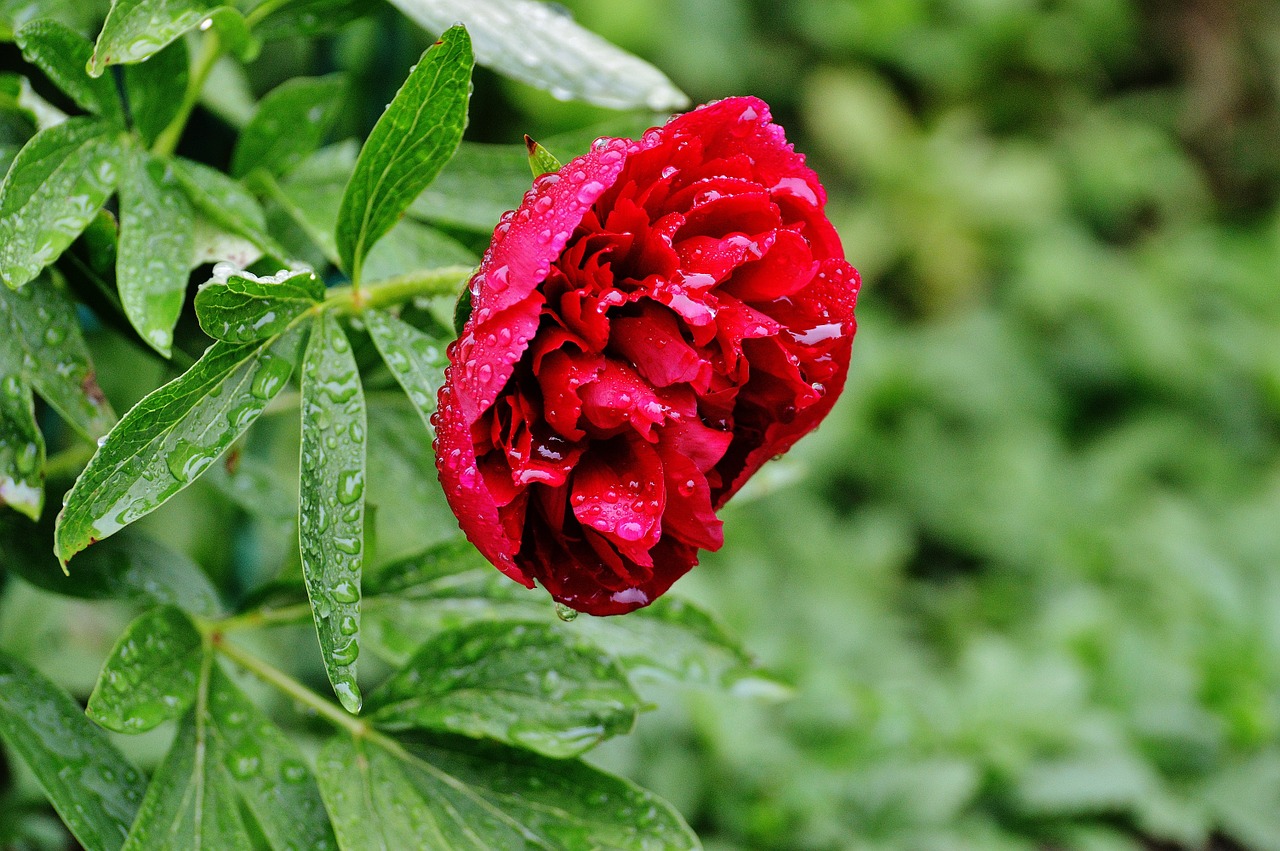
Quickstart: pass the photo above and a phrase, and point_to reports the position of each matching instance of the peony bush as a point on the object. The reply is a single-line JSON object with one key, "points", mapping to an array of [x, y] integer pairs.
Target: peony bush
{"points": [[255, 549]]}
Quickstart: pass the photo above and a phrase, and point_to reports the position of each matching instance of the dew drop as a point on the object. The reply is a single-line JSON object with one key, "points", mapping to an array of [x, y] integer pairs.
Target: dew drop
{"points": [[630, 531], [565, 613], [347, 653], [348, 693], [350, 486]]}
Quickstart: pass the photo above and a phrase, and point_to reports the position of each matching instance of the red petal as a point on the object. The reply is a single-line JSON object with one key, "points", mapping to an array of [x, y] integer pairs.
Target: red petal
{"points": [[618, 492], [652, 341], [784, 270], [619, 395]]}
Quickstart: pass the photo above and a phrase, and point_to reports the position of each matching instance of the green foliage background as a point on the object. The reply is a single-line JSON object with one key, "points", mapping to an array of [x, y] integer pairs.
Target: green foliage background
{"points": [[1024, 580], [1027, 582]]}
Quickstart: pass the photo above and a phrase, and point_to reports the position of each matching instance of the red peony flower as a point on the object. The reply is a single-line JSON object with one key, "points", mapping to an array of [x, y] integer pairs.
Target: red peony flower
{"points": [[656, 321]]}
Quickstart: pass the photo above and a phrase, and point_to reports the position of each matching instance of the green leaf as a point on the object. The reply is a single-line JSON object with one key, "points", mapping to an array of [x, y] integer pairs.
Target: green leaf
{"points": [[21, 444], [225, 203], [308, 18], [331, 500], [54, 188], [450, 584], [151, 675], [541, 161], [136, 29], [157, 238], [172, 436], [270, 773], [525, 684], [412, 247], [150, 86], [289, 124], [191, 803], [411, 142], [40, 321], [312, 194], [215, 245], [244, 307], [77, 14], [88, 781], [234, 34], [62, 54], [481, 183], [532, 42], [450, 799], [416, 360], [128, 566]]}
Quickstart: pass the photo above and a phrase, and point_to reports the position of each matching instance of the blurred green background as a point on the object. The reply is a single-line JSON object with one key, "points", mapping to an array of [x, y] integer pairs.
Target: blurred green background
{"points": [[1024, 579]]}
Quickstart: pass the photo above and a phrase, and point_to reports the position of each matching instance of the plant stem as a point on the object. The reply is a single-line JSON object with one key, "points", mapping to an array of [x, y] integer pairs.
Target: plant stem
{"points": [[397, 290], [278, 679], [265, 617], [263, 10], [210, 51]]}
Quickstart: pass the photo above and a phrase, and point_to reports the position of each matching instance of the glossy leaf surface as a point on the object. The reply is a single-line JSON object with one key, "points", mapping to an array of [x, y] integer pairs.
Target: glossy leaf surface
{"points": [[94, 788], [172, 436], [331, 500], [407, 148]]}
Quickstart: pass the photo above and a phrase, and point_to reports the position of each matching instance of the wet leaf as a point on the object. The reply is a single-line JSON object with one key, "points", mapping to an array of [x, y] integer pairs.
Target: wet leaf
{"points": [[480, 184], [289, 124], [530, 685], [225, 203], [151, 675], [40, 321], [483, 181], [170, 437], [157, 237], [90, 783], [55, 187], [244, 307], [136, 29], [416, 360], [62, 53], [312, 194], [77, 14], [331, 500], [268, 770], [311, 17], [411, 142], [128, 566], [456, 795], [21, 443], [536, 43], [191, 802], [410, 247], [150, 86], [449, 584]]}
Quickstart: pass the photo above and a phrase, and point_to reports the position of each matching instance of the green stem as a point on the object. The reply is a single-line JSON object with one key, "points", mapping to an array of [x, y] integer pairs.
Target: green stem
{"points": [[397, 290], [265, 617], [210, 51], [278, 679], [263, 10]]}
